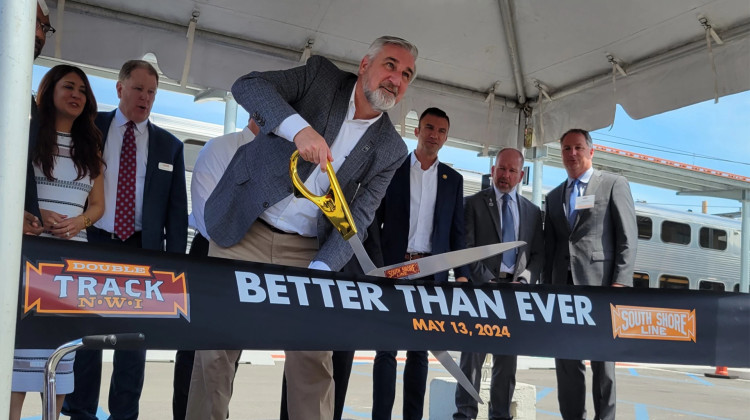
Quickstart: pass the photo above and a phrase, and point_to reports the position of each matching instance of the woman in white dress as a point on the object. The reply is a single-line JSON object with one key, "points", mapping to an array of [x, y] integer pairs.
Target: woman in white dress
{"points": [[68, 169]]}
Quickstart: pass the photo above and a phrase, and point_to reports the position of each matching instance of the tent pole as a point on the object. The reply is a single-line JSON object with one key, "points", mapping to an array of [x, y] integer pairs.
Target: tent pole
{"points": [[230, 114], [506, 14], [536, 186], [16, 60]]}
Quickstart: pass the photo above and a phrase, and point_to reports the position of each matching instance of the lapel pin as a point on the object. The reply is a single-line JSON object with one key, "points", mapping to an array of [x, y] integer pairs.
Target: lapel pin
{"points": [[445, 176]]}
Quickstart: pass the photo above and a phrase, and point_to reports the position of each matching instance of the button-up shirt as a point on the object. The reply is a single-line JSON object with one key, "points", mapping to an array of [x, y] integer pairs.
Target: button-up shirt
{"points": [[300, 215], [422, 196], [583, 182], [111, 157], [210, 166]]}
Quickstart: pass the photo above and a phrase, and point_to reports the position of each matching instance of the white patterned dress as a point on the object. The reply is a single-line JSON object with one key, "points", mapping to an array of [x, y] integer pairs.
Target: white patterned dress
{"points": [[64, 195]]}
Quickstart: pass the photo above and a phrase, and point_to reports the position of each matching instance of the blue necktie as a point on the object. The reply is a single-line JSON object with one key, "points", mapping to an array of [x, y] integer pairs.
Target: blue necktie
{"points": [[572, 204], [508, 232]]}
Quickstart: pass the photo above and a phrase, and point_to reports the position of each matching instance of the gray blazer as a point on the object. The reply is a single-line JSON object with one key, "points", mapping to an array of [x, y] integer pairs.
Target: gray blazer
{"points": [[600, 249], [258, 175], [483, 228]]}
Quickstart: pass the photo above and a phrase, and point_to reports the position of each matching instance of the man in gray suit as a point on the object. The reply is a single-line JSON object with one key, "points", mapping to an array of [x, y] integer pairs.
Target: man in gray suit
{"points": [[500, 214], [327, 115], [590, 236]]}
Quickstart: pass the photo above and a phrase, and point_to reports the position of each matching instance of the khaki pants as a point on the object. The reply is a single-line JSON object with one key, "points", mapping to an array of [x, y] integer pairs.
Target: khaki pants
{"points": [[309, 374], [211, 384]]}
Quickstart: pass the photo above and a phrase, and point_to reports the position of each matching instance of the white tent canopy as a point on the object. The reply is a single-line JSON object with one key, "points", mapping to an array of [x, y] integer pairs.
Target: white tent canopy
{"points": [[467, 50]]}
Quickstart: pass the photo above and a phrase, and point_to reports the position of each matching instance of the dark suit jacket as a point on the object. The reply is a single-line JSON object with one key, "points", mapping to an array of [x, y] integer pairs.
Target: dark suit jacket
{"points": [[600, 249], [483, 228], [31, 200], [258, 175], [164, 192], [389, 232]]}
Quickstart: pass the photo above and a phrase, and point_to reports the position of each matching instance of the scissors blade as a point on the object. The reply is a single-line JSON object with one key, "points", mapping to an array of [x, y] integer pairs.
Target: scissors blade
{"points": [[450, 365], [359, 251], [427, 266]]}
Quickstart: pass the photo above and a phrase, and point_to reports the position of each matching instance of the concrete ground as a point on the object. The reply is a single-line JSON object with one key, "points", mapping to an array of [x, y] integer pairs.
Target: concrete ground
{"points": [[643, 391]]}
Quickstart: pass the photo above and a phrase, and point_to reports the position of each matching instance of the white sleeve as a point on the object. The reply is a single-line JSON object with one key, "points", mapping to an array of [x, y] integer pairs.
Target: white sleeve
{"points": [[291, 125], [319, 265]]}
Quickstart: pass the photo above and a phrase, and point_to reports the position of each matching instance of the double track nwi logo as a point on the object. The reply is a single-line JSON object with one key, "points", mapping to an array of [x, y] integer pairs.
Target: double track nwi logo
{"points": [[104, 288]]}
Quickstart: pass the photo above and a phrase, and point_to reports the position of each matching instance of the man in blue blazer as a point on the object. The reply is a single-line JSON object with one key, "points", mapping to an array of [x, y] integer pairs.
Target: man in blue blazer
{"points": [[422, 214], [155, 218], [327, 115]]}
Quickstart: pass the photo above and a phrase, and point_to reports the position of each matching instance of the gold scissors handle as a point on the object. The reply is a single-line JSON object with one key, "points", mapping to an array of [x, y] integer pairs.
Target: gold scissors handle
{"points": [[332, 204]]}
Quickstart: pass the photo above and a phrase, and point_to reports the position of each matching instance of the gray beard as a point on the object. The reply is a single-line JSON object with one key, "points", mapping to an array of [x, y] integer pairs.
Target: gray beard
{"points": [[379, 101]]}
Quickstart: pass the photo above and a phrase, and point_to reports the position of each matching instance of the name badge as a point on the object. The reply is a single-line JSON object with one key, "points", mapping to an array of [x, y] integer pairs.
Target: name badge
{"points": [[584, 202], [165, 166]]}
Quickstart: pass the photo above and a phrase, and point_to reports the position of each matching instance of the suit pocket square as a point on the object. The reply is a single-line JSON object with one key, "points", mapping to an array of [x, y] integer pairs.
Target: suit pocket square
{"points": [[165, 167]]}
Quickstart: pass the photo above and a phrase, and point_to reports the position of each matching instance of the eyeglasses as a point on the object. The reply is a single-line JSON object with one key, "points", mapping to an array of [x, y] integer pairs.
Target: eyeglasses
{"points": [[46, 29]]}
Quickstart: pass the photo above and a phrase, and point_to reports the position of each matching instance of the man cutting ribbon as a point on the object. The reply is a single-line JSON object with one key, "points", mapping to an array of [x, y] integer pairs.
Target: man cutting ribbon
{"points": [[327, 115]]}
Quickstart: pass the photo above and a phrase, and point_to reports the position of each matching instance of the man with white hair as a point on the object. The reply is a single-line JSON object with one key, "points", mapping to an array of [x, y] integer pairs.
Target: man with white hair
{"points": [[327, 115]]}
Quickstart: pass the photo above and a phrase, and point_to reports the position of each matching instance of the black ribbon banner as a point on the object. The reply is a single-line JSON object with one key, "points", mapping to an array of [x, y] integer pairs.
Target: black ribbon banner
{"points": [[179, 302]]}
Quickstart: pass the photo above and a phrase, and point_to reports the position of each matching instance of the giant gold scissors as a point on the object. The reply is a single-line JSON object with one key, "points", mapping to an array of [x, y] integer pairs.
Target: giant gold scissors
{"points": [[334, 207]]}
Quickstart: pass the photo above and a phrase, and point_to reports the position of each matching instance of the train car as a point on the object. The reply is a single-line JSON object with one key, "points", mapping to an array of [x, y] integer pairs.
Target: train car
{"points": [[686, 250]]}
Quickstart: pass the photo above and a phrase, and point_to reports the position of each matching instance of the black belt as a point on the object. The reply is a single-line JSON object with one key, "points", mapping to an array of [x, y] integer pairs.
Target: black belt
{"points": [[415, 255], [273, 228], [504, 275], [103, 234]]}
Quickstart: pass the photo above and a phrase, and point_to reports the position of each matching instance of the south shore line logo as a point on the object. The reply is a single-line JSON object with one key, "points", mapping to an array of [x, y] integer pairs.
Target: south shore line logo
{"points": [[653, 323], [104, 288]]}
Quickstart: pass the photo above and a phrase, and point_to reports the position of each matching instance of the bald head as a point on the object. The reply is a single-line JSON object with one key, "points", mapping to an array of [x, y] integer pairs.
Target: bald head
{"points": [[508, 169]]}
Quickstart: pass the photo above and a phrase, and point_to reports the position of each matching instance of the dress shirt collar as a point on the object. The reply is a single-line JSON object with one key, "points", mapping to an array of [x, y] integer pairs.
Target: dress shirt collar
{"points": [[414, 161], [583, 179], [352, 108], [121, 120], [499, 194]]}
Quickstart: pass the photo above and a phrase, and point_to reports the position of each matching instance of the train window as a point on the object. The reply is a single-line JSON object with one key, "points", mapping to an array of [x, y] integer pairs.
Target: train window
{"points": [[645, 227], [640, 280], [713, 238], [667, 281], [675, 233], [711, 285]]}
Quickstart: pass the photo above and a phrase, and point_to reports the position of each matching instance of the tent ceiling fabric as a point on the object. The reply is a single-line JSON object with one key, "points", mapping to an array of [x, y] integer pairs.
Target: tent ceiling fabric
{"points": [[463, 51]]}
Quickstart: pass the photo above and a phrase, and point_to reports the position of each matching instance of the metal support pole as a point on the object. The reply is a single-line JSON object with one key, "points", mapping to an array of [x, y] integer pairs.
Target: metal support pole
{"points": [[745, 247], [536, 183], [50, 378], [16, 59], [230, 114]]}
